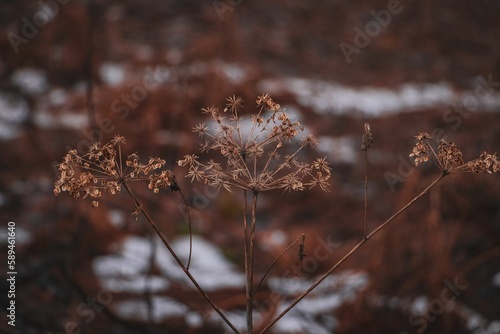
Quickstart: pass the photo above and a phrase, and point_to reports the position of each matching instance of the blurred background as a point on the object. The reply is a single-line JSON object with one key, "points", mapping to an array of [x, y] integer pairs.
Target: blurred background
{"points": [[74, 72]]}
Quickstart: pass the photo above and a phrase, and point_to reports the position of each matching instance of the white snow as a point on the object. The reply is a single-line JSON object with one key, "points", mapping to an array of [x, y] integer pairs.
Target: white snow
{"points": [[331, 97], [13, 111], [496, 280], [125, 271], [117, 218], [235, 73], [30, 80], [208, 265], [211, 268], [57, 96], [112, 74], [340, 149], [162, 307], [71, 120], [23, 236]]}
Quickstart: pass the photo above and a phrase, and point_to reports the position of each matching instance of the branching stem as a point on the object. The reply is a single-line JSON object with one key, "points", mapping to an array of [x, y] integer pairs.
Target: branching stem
{"points": [[352, 251], [276, 261], [177, 259]]}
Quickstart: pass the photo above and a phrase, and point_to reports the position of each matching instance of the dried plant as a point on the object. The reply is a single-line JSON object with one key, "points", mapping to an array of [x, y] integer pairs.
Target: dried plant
{"points": [[366, 143], [101, 169], [254, 162], [448, 158], [257, 155]]}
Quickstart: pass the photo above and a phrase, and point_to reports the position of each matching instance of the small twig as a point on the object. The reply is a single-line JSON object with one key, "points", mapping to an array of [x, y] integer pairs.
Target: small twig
{"points": [[366, 143], [352, 251], [89, 65], [177, 259], [365, 232], [276, 261], [190, 230], [148, 290]]}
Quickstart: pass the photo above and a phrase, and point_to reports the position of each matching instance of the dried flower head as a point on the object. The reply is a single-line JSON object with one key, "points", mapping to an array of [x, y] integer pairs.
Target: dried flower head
{"points": [[486, 163], [252, 151], [233, 105], [101, 170], [448, 157], [367, 139]]}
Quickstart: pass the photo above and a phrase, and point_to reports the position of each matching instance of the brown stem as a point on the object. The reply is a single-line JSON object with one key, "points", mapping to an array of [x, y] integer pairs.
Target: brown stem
{"points": [[250, 266], [248, 283], [352, 251], [190, 230], [177, 259], [276, 261], [366, 196], [89, 64]]}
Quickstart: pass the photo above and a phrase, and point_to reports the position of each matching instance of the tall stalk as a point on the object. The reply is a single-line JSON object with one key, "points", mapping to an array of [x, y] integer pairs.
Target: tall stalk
{"points": [[177, 259], [248, 282], [352, 251]]}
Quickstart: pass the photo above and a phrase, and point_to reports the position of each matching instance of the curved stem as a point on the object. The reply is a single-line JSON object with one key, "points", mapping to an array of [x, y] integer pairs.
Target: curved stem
{"points": [[190, 230], [276, 261], [352, 251], [177, 259]]}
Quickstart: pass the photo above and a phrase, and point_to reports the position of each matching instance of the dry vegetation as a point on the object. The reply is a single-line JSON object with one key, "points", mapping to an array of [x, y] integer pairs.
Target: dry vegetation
{"points": [[451, 232]]}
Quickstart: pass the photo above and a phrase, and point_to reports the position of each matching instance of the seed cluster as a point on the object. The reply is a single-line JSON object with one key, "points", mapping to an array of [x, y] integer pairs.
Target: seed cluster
{"points": [[101, 170], [253, 161], [448, 157]]}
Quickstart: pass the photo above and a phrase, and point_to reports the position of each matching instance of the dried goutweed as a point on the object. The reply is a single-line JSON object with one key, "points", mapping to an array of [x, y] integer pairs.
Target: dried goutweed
{"points": [[445, 155], [367, 139], [259, 153], [253, 159], [448, 157], [101, 169]]}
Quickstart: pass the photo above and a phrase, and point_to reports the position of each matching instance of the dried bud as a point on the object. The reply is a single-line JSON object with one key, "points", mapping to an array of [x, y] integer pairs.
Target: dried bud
{"points": [[367, 139]]}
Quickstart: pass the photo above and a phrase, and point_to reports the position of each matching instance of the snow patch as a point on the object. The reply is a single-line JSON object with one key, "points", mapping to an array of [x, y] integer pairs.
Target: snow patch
{"points": [[112, 74], [334, 98], [30, 80]]}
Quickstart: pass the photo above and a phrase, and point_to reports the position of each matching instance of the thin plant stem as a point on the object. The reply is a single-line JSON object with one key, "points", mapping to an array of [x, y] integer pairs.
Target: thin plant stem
{"points": [[177, 259], [248, 284], [190, 230], [274, 263], [250, 264], [148, 291], [352, 251], [365, 232], [89, 64]]}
